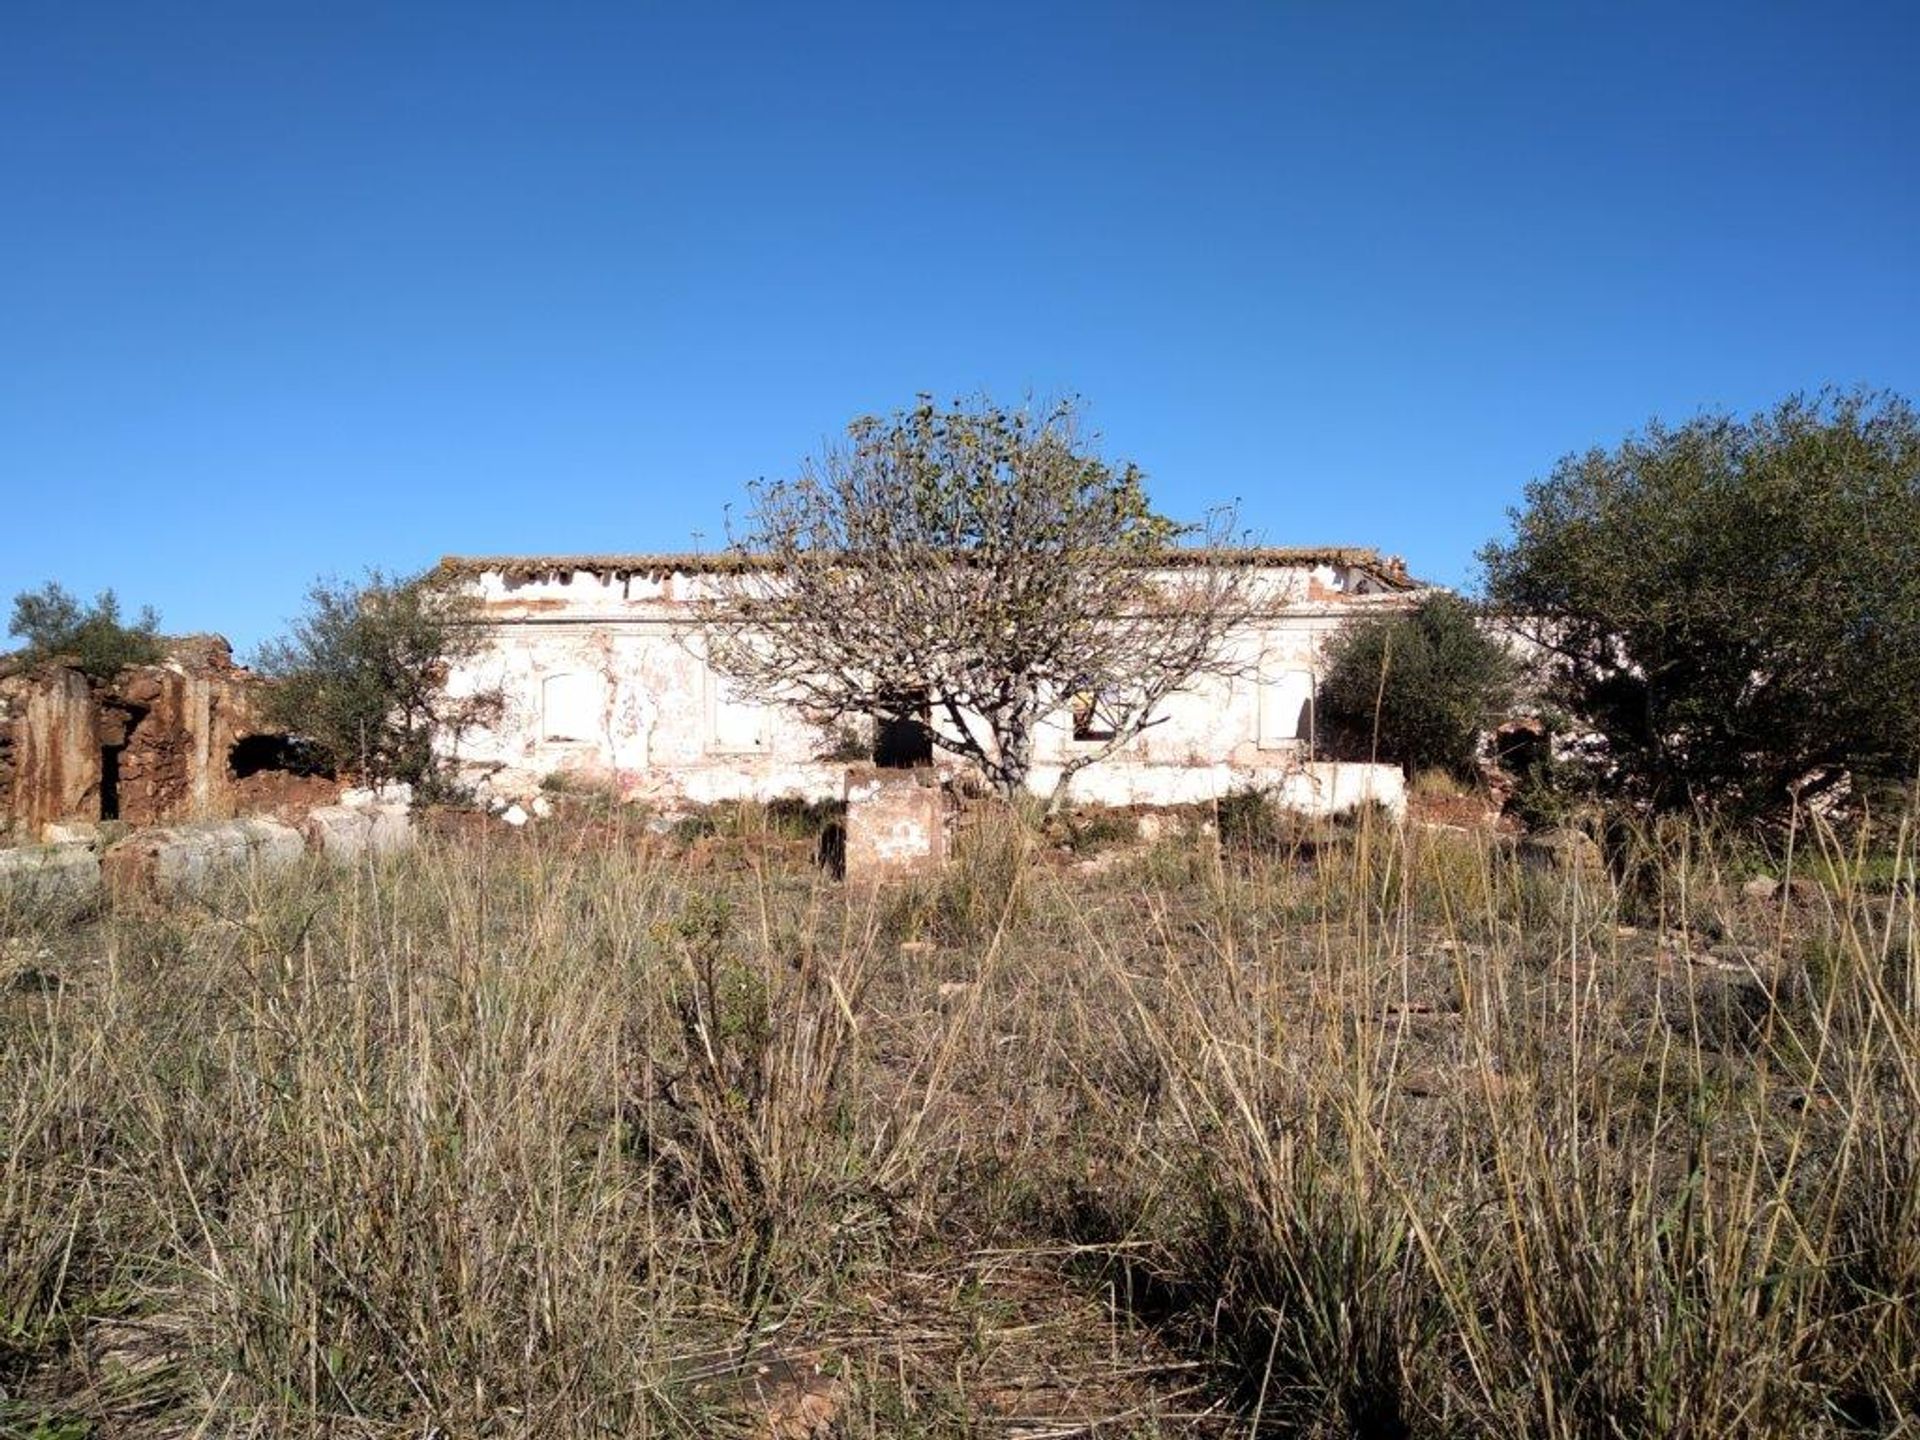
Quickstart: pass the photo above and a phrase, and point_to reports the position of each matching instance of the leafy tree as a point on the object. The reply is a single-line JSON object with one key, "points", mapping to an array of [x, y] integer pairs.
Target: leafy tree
{"points": [[1417, 687], [55, 626], [1734, 604], [982, 563], [362, 675]]}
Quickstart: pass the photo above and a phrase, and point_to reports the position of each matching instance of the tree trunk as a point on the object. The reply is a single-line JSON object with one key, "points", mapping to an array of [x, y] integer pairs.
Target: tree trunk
{"points": [[1013, 732]]}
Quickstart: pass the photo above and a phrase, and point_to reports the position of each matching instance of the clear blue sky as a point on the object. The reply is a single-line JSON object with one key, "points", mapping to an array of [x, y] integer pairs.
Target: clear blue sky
{"points": [[289, 289]]}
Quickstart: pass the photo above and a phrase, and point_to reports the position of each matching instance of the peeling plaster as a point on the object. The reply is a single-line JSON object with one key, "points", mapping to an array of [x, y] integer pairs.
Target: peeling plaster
{"points": [[626, 621]]}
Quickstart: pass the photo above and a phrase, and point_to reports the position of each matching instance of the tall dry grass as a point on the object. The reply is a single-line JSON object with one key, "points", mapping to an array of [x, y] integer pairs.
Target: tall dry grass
{"points": [[1354, 1133]]}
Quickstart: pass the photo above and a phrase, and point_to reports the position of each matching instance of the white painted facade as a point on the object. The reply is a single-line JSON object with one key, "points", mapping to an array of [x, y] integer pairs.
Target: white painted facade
{"points": [[604, 681]]}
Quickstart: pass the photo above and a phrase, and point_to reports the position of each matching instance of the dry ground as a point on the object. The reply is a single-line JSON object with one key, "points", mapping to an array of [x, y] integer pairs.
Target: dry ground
{"points": [[1369, 1135]]}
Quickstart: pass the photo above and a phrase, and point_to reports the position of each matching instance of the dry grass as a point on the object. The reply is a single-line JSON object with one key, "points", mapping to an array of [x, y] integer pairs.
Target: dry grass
{"points": [[1370, 1136]]}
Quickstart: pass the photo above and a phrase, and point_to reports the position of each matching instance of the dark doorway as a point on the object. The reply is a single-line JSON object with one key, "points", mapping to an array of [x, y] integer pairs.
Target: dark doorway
{"points": [[113, 726], [903, 734], [251, 754], [1090, 722], [110, 781]]}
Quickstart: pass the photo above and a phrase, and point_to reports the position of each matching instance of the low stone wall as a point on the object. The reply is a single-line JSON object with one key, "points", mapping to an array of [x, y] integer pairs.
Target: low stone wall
{"points": [[1333, 787], [346, 833], [48, 871], [169, 861], [897, 820], [178, 859], [1310, 787]]}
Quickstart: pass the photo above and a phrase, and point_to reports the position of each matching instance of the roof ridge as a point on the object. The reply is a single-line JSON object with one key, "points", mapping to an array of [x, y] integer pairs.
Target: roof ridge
{"points": [[661, 563]]}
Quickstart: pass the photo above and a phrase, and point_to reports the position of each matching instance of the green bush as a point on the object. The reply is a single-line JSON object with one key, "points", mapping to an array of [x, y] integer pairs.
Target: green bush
{"points": [[362, 675], [1249, 820], [1091, 831], [54, 626], [1417, 688], [1733, 604]]}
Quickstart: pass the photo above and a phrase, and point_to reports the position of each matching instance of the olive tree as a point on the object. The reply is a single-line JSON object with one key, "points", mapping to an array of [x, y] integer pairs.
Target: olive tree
{"points": [[361, 674], [1417, 687], [52, 624], [984, 564], [1733, 604]]}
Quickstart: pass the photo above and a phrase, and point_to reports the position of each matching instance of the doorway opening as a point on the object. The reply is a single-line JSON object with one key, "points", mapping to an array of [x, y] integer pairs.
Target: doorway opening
{"points": [[110, 781], [903, 732]]}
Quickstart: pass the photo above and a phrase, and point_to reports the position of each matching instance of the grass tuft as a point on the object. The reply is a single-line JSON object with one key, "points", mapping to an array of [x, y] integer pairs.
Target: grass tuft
{"points": [[1324, 1131]]}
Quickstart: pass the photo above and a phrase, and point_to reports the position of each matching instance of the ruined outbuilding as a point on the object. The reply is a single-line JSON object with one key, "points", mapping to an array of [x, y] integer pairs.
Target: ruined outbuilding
{"points": [[182, 740], [604, 683]]}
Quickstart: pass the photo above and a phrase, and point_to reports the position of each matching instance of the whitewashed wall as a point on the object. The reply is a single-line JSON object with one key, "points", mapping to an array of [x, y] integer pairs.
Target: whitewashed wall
{"points": [[605, 683]]}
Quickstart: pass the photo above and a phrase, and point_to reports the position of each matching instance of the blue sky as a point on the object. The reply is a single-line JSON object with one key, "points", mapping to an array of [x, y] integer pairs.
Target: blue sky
{"points": [[292, 289]]}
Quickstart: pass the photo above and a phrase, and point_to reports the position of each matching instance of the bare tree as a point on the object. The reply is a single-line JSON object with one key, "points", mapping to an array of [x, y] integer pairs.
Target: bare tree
{"points": [[981, 568]]}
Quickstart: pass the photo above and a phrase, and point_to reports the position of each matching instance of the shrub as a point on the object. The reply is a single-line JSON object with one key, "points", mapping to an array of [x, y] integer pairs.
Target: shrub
{"points": [[53, 626], [363, 675], [1733, 604], [1417, 688], [1249, 820], [1091, 831]]}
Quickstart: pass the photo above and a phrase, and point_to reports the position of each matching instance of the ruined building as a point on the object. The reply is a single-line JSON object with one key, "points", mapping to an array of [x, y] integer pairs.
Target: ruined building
{"points": [[600, 668], [602, 681], [180, 740]]}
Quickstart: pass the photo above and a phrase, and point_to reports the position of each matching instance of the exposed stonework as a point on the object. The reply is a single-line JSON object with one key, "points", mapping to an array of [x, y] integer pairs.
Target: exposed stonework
{"points": [[49, 758], [181, 740]]}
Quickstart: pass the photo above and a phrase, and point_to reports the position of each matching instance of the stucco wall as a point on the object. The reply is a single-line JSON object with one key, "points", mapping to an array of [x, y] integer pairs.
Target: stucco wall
{"points": [[604, 681]]}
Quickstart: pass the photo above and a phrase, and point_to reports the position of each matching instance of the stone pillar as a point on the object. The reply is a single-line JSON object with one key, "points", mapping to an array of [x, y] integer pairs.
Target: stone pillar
{"points": [[55, 755], [896, 823]]}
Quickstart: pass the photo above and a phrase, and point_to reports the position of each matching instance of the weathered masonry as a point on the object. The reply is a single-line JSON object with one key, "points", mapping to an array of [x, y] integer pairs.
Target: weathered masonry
{"points": [[601, 668], [183, 740], [162, 779]]}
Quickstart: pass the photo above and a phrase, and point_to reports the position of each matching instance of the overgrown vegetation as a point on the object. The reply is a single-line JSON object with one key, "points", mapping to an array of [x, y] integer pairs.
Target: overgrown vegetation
{"points": [[52, 624], [1399, 1136], [1416, 687], [974, 572], [362, 675], [1734, 604]]}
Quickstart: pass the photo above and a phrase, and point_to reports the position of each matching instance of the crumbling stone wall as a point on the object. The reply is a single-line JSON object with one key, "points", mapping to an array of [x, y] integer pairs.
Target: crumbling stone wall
{"points": [[49, 759], [180, 730], [605, 684], [153, 747]]}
